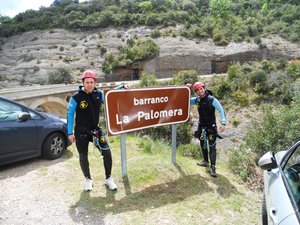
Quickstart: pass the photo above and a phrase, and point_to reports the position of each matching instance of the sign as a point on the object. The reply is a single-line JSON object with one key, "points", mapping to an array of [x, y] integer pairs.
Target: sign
{"points": [[135, 109]]}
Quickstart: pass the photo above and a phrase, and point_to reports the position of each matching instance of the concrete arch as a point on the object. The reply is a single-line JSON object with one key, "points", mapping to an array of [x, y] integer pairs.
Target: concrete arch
{"points": [[50, 104]]}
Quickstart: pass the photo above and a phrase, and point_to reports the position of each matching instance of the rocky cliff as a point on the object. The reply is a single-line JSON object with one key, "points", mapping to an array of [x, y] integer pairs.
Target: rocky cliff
{"points": [[28, 58]]}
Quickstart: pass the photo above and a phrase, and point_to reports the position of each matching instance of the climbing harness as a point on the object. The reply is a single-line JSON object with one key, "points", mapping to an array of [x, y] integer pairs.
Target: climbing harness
{"points": [[206, 140], [100, 138]]}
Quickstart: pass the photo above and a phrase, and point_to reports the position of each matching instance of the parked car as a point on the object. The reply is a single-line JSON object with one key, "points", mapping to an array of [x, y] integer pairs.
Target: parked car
{"points": [[26, 133], [281, 198]]}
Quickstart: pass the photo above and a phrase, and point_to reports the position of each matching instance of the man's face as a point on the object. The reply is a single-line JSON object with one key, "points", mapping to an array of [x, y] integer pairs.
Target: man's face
{"points": [[89, 84], [201, 91]]}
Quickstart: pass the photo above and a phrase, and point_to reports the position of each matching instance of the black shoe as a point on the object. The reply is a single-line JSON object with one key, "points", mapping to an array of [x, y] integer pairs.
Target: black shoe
{"points": [[212, 171], [203, 163]]}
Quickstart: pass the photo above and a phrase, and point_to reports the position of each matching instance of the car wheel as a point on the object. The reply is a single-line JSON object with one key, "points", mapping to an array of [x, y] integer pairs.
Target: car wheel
{"points": [[53, 146], [264, 212]]}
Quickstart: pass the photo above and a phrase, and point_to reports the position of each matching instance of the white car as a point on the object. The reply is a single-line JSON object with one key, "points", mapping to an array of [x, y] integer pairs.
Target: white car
{"points": [[281, 199]]}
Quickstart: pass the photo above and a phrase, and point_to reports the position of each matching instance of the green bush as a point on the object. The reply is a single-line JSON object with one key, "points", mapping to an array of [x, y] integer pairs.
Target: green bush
{"points": [[274, 131], [59, 76], [148, 80], [267, 66], [240, 97], [190, 150], [258, 76], [27, 57], [234, 72], [222, 89], [220, 39], [2, 77], [183, 77], [293, 69], [155, 33], [242, 162]]}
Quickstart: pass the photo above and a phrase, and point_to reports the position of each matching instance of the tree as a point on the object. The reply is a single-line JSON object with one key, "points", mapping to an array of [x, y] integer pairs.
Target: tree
{"points": [[220, 8]]}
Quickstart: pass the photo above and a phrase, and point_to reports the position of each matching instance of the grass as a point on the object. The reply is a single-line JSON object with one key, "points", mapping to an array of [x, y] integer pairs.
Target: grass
{"points": [[158, 192]]}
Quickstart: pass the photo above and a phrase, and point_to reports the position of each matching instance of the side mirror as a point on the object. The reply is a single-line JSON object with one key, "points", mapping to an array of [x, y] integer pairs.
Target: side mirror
{"points": [[268, 161], [23, 116]]}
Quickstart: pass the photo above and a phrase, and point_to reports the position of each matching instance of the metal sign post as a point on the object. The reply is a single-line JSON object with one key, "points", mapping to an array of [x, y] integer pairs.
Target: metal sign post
{"points": [[123, 154], [174, 136]]}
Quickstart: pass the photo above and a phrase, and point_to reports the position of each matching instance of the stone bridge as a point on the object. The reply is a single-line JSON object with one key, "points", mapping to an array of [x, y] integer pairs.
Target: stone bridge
{"points": [[48, 98]]}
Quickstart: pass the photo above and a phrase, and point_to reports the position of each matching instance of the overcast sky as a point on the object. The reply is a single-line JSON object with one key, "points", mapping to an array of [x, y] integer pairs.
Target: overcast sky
{"points": [[13, 7]]}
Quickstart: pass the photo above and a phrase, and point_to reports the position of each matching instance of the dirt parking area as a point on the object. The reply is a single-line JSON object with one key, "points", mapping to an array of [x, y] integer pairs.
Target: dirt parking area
{"points": [[32, 193]]}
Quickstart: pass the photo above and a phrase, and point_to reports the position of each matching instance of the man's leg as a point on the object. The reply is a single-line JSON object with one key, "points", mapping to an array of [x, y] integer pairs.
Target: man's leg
{"points": [[204, 150], [82, 143], [107, 161], [212, 151]]}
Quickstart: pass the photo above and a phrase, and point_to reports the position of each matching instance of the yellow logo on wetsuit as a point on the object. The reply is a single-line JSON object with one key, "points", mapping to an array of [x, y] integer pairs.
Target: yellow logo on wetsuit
{"points": [[83, 104], [198, 105], [102, 139], [211, 137]]}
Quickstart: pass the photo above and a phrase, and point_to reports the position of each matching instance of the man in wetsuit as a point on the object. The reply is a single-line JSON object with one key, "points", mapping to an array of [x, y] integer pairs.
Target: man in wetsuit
{"points": [[207, 129], [86, 104]]}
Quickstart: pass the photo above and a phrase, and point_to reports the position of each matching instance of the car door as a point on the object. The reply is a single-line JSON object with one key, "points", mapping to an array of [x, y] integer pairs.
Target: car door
{"points": [[283, 194], [18, 139]]}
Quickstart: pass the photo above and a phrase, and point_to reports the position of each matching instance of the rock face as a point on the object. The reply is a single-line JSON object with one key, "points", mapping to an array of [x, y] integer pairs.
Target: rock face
{"points": [[28, 58]]}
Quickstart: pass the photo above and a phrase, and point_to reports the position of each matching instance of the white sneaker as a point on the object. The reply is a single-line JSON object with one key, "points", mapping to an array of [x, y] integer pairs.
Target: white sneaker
{"points": [[88, 184], [111, 184]]}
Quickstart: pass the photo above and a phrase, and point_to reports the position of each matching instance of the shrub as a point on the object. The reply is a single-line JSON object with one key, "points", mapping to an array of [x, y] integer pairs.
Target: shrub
{"points": [[155, 33], [183, 77], [240, 98], [260, 136], [219, 39], [267, 65], [258, 76], [234, 72], [27, 57], [242, 162], [59, 76], [257, 40], [190, 150], [148, 80], [223, 89], [293, 69], [2, 77]]}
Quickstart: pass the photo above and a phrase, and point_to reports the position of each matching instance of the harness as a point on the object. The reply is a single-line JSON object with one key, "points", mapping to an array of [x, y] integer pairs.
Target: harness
{"points": [[99, 137], [205, 139]]}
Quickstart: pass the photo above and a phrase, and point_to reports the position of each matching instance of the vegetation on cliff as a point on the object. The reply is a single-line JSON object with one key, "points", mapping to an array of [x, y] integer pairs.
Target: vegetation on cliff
{"points": [[221, 20]]}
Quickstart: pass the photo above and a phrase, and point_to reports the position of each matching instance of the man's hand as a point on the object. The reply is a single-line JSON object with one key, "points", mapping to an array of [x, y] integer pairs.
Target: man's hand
{"points": [[189, 85], [126, 87], [222, 128], [71, 138]]}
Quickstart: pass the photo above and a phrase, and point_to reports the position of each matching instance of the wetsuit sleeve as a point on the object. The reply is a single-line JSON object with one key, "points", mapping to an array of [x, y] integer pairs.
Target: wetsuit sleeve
{"points": [[219, 107], [70, 116], [102, 95], [193, 101]]}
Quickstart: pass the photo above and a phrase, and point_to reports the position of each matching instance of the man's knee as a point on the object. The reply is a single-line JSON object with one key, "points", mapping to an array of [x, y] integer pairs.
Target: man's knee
{"points": [[106, 153]]}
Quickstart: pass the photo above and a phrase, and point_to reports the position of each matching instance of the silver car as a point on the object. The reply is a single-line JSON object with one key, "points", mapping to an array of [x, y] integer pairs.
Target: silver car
{"points": [[281, 199]]}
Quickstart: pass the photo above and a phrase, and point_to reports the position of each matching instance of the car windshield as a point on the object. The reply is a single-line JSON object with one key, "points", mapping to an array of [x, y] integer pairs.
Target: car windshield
{"points": [[292, 171]]}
